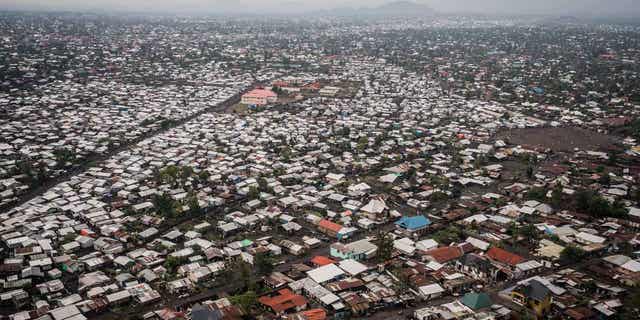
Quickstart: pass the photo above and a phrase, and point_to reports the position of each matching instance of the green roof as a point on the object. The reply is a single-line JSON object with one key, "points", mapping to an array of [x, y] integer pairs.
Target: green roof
{"points": [[246, 242], [476, 300]]}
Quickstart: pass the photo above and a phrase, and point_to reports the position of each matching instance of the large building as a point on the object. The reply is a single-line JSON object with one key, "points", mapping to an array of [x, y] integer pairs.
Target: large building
{"points": [[259, 97]]}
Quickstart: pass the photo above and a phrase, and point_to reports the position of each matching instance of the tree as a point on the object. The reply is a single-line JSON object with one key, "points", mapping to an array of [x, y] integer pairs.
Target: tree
{"points": [[185, 173], [631, 306], [165, 205], [384, 241], [245, 301], [530, 233], [193, 203], [411, 173], [277, 90], [204, 175], [599, 207], [572, 254], [169, 174], [605, 179], [63, 156], [238, 273], [263, 264], [556, 196], [403, 283], [514, 231], [172, 263], [538, 194], [530, 171], [362, 143], [254, 193], [262, 183], [448, 235], [613, 158], [456, 192]]}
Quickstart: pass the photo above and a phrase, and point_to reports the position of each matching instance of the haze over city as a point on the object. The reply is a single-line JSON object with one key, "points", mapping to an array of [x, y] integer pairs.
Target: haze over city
{"points": [[319, 160], [598, 8]]}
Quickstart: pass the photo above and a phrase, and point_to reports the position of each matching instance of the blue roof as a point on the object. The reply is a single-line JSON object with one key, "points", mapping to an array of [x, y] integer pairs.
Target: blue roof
{"points": [[537, 90], [412, 223]]}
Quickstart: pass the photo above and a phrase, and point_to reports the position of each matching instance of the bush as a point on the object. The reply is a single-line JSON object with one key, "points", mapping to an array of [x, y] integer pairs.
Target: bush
{"points": [[572, 254], [598, 207]]}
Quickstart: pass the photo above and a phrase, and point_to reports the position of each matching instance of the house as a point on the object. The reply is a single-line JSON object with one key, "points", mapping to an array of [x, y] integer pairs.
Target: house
{"points": [[329, 91], [352, 267], [283, 301], [443, 254], [357, 250], [311, 314], [412, 225], [431, 291], [506, 263], [333, 229], [426, 244], [474, 265], [259, 97], [325, 273], [476, 301], [320, 261], [199, 312], [533, 295]]}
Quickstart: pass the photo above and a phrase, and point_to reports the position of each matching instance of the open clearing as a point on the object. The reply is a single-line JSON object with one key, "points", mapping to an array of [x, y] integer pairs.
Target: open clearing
{"points": [[563, 139]]}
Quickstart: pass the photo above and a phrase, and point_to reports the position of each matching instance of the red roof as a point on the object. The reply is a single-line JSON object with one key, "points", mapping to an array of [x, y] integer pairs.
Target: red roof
{"points": [[312, 86], [315, 314], [326, 224], [285, 300], [504, 256], [444, 254], [281, 84], [321, 261], [311, 314], [260, 93]]}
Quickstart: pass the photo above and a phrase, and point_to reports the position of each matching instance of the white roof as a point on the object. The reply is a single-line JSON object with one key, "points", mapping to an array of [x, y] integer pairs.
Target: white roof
{"points": [[431, 289], [617, 259], [352, 267], [482, 245], [405, 245], [64, 312], [632, 265], [564, 231], [426, 244], [325, 273], [434, 265], [374, 206], [529, 265], [478, 218], [389, 178], [590, 237]]}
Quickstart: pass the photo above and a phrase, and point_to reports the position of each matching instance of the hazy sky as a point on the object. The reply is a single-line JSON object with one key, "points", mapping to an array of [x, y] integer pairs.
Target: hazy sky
{"points": [[558, 7]]}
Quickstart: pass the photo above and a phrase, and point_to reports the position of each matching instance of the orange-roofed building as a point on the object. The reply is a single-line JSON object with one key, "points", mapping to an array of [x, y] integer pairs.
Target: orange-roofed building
{"points": [[320, 261], [280, 83], [443, 254], [504, 256], [284, 301], [311, 314], [315, 86], [329, 228], [259, 97]]}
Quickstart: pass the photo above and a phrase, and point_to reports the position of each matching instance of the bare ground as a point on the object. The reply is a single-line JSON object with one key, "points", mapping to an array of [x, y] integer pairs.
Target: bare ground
{"points": [[563, 139]]}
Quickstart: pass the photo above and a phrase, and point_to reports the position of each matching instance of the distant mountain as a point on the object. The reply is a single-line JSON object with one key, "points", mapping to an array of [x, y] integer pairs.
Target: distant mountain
{"points": [[401, 8]]}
